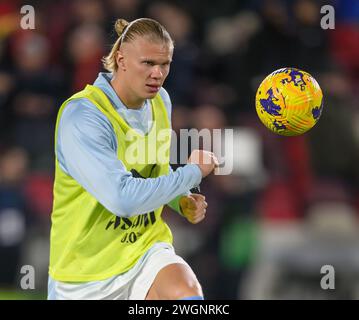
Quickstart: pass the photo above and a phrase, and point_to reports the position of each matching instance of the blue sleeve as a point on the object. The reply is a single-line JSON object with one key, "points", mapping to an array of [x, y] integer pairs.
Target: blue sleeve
{"points": [[174, 203], [86, 150]]}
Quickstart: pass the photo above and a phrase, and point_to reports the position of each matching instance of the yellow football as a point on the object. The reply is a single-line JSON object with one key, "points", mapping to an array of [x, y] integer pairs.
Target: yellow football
{"points": [[289, 101]]}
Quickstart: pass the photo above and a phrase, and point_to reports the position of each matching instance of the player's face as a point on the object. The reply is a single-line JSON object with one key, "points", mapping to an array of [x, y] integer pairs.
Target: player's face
{"points": [[145, 66]]}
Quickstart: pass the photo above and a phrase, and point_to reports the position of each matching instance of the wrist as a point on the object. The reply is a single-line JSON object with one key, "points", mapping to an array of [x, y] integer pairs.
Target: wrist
{"points": [[197, 173]]}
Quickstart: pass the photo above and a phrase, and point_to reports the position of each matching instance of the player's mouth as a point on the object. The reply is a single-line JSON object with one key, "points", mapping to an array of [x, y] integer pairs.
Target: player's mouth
{"points": [[153, 88]]}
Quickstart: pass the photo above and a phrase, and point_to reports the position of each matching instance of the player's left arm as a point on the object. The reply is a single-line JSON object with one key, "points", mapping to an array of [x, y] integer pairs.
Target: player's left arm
{"points": [[192, 206], [175, 203]]}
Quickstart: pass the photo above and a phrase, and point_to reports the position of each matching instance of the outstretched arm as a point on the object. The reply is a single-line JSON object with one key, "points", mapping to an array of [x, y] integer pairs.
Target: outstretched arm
{"points": [[87, 151]]}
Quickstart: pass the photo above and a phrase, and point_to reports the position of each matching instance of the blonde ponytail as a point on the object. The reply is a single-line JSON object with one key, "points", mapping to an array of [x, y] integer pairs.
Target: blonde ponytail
{"points": [[120, 25]]}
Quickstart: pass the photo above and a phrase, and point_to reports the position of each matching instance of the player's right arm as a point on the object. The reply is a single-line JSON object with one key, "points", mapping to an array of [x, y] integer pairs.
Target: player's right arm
{"points": [[87, 151]]}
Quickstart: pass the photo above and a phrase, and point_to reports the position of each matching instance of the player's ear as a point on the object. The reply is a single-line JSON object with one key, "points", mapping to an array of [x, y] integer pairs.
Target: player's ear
{"points": [[120, 60]]}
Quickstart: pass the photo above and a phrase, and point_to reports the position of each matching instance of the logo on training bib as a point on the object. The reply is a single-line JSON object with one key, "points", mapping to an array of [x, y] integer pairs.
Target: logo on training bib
{"points": [[137, 222]]}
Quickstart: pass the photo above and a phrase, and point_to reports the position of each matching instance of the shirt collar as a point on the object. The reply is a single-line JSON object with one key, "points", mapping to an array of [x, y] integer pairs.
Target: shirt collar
{"points": [[103, 82]]}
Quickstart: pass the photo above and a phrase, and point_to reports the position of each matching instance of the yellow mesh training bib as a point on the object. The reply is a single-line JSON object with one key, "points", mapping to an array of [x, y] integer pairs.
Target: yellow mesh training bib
{"points": [[88, 242]]}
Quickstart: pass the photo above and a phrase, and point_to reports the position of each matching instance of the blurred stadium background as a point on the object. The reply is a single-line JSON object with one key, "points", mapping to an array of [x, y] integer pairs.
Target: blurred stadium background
{"points": [[291, 204]]}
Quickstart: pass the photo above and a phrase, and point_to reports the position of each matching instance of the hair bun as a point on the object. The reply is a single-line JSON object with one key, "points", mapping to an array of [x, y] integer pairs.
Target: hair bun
{"points": [[120, 25]]}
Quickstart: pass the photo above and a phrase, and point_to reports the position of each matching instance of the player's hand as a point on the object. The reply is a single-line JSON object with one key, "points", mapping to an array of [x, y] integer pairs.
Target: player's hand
{"points": [[194, 207], [205, 160]]}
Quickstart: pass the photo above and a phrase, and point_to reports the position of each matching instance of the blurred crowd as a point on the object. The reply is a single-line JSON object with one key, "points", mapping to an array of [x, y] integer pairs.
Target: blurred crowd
{"points": [[291, 204]]}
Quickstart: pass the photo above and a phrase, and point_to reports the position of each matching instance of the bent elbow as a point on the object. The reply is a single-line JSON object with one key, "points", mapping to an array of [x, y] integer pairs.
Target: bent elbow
{"points": [[125, 203], [122, 208]]}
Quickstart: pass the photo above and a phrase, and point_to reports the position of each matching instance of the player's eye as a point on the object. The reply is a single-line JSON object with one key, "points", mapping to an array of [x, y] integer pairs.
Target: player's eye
{"points": [[149, 63]]}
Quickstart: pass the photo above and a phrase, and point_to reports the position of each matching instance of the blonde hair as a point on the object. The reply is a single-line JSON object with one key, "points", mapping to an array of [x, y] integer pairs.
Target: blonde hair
{"points": [[127, 32]]}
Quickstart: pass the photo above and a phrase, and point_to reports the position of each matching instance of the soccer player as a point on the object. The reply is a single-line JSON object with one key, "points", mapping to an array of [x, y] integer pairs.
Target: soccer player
{"points": [[108, 240]]}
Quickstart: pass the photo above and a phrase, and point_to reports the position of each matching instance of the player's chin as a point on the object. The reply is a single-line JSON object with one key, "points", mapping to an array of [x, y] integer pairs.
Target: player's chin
{"points": [[150, 95]]}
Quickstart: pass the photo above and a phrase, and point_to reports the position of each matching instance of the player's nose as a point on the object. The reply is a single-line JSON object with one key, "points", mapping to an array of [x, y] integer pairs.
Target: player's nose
{"points": [[157, 72]]}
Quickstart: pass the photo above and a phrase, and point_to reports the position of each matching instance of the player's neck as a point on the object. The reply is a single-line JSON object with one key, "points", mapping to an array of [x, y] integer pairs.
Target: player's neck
{"points": [[125, 96]]}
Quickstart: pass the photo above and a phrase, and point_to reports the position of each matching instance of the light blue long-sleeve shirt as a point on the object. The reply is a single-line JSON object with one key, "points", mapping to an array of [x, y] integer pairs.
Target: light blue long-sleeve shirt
{"points": [[87, 151]]}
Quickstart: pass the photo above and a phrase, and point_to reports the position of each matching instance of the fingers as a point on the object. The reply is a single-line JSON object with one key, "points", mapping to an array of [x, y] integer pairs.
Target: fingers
{"points": [[195, 207], [198, 196], [206, 161], [196, 220], [215, 160], [197, 216], [196, 201], [191, 202]]}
